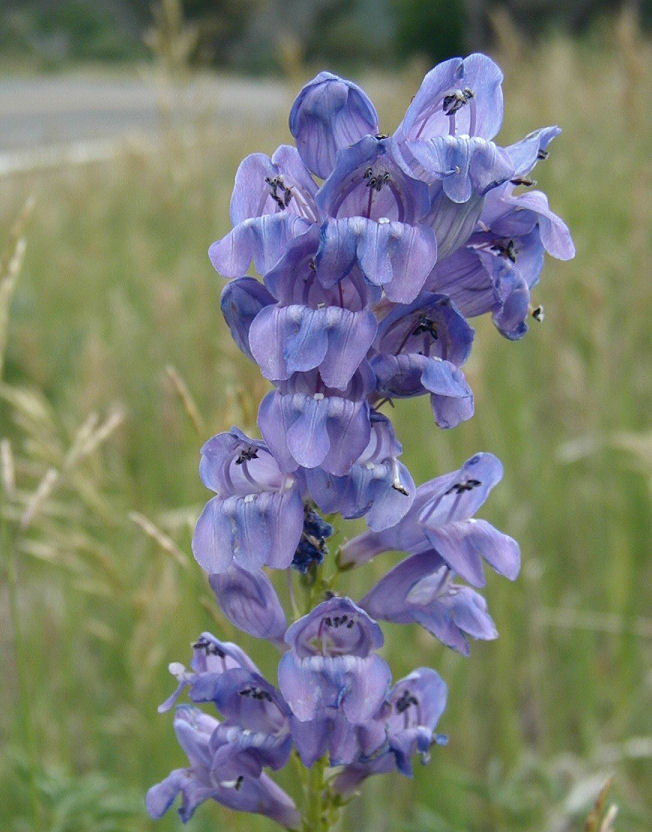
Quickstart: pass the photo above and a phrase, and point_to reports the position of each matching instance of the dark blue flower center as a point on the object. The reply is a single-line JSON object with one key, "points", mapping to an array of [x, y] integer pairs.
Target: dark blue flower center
{"points": [[312, 546]]}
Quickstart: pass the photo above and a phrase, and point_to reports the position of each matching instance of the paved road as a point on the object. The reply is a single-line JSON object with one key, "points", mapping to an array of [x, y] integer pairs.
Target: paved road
{"points": [[41, 116]]}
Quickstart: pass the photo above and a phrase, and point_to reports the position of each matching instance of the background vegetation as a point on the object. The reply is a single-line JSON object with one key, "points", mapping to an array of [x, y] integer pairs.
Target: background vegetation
{"points": [[253, 35], [118, 366]]}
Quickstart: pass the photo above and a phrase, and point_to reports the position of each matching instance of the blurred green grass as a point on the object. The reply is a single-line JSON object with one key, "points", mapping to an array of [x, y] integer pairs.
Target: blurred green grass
{"points": [[116, 288]]}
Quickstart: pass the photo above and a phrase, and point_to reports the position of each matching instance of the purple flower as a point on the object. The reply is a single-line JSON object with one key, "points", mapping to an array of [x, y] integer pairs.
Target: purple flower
{"points": [[210, 656], [420, 348], [256, 728], [241, 301], [330, 114], [308, 424], [256, 517], [368, 181], [289, 339], [202, 781], [441, 519], [431, 326], [331, 668], [377, 486], [272, 203], [404, 376], [420, 590], [503, 257], [460, 96], [403, 726], [391, 254], [250, 602]]}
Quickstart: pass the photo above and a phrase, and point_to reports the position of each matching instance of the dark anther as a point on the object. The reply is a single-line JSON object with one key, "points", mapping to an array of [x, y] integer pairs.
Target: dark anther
{"points": [[523, 180], [238, 782], [426, 325], [542, 154], [209, 647], [246, 454], [401, 490], [256, 693], [378, 181], [382, 136], [456, 100], [507, 250], [336, 621], [276, 184], [405, 700], [461, 487], [538, 314]]}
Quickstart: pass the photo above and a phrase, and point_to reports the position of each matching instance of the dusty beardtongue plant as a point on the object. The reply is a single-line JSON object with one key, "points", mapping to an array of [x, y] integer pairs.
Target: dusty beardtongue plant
{"points": [[374, 251]]}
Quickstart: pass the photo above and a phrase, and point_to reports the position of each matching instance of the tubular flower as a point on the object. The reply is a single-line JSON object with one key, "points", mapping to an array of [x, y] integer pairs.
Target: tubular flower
{"points": [[256, 517]]}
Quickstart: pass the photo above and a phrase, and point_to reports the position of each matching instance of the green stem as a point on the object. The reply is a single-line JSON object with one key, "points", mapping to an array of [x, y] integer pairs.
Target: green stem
{"points": [[315, 810]]}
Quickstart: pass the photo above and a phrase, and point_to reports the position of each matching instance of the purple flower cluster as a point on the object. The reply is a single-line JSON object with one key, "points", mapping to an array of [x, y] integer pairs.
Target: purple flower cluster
{"points": [[374, 251]]}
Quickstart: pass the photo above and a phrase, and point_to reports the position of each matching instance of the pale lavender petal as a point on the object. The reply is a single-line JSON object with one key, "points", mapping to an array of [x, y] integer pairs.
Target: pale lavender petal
{"points": [[450, 411], [350, 335], [369, 182], [329, 114], [210, 542], [482, 113], [464, 543], [311, 738], [555, 235], [387, 599], [160, 797], [458, 495], [396, 256], [305, 417], [241, 301], [526, 152], [329, 624], [250, 602], [261, 239], [369, 681]]}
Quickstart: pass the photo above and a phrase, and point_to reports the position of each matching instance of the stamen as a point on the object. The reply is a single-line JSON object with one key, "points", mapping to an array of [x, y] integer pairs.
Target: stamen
{"points": [[397, 485], [405, 700], [507, 250], [246, 454], [456, 100], [256, 693], [209, 647], [426, 325], [283, 198], [538, 314]]}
